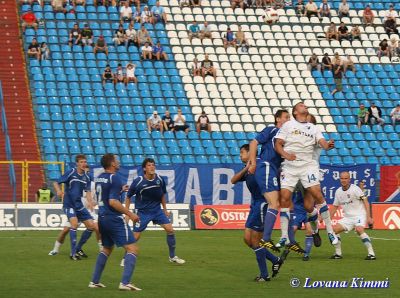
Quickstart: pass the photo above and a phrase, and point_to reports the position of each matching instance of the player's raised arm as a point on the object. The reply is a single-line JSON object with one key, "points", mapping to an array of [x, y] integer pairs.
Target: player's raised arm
{"points": [[279, 143], [239, 175], [327, 145], [252, 157], [117, 205], [364, 198]]}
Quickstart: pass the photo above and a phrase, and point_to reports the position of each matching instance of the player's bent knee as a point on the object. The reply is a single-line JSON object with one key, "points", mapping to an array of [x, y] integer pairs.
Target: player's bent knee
{"points": [[359, 230], [132, 248]]}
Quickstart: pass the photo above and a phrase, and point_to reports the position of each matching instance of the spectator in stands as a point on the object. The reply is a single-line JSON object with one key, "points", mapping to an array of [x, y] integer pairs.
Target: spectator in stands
{"points": [[136, 14], [130, 36], [44, 195], [105, 2], [325, 9], [180, 122], [206, 31], [207, 68], [143, 36], [119, 75], [75, 3], [332, 32], [59, 5], [337, 60], [368, 16], [313, 63], [194, 30], [270, 16], [125, 12], [167, 122], [158, 14], [240, 38], [29, 20], [384, 49], [195, 3], [362, 115], [119, 36], [100, 46], [130, 73], [300, 8], [394, 46], [30, 2], [154, 123], [390, 26], [74, 36], [158, 52], [326, 62], [343, 32], [311, 9], [337, 77], [107, 76], [279, 4], [147, 51], [34, 49], [348, 64], [203, 123], [237, 3], [87, 35], [375, 115], [391, 13], [195, 67], [344, 9], [243, 48], [355, 33], [44, 51], [184, 3], [146, 15], [395, 114], [229, 39]]}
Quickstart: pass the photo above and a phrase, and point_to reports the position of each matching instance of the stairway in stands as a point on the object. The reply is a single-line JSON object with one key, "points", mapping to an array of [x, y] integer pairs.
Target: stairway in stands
{"points": [[17, 100]]}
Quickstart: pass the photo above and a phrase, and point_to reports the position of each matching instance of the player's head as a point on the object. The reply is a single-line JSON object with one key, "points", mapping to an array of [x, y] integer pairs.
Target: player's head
{"points": [[345, 179], [109, 162], [281, 116], [81, 162], [244, 153], [311, 119], [299, 109], [149, 166]]}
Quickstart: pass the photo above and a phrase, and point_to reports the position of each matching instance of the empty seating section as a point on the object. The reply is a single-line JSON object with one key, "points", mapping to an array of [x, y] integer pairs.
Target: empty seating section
{"points": [[76, 114]]}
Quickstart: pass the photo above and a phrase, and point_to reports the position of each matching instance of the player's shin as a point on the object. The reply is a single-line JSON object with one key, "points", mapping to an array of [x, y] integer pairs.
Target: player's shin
{"points": [[308, 244], [290, 229], [270, 256], [269, 222], [285, 217], [129, 267], [313, 220], [99, 267], [338, 247], [261, 261], [324, 211], [171, 241], [72, 235], [85, 237], [367, 242]]}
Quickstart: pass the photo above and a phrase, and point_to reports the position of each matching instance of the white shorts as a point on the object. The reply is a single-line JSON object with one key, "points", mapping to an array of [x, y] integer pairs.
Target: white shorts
{"points": [[349, 223], [308, 175], [67, 224]]}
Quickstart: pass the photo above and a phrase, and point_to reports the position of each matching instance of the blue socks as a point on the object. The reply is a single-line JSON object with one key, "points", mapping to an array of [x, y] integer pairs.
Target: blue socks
{"points": [[171, 244], [269, 221], [72, 235], [292, 239], [98, 269], [262, 263], [129, 267], [270, 256], [85, 236], [308, 245]]}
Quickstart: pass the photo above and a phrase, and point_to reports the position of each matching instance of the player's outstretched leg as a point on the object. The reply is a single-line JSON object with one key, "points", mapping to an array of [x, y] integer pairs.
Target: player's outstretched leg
{"points": [[85, 237], [313, 220], [308, 245], [99, 267], [324, 212], [338, 250], [261, 254], [59, 241], [293, 245], [72, 235], [367, 242], [171, 241]]}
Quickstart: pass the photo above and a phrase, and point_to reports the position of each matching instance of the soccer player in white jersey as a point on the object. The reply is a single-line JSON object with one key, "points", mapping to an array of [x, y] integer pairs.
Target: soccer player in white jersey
{"points": [[296, 141], [356, 214]]}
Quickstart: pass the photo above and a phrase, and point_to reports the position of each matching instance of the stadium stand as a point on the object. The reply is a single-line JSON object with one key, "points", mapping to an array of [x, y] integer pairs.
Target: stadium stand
{"points": [[76, 114]]}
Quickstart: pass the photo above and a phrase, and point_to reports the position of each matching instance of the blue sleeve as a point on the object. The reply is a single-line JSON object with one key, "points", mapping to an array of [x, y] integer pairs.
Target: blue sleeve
{"points": [[64, 178], [88, 185], [115, 190], [163, 185], [264, 136], [132, 189]]}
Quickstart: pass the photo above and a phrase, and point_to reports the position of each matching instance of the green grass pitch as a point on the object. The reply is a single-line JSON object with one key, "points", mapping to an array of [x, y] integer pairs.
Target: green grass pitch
{"points": [[218, 264]]}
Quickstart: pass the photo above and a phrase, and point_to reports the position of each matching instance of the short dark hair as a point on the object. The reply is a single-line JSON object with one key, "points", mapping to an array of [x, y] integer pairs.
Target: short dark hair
{"points": [[106, 160], [295, 108], [279, 113], [245, 147], [79, 157], [146, 161]]}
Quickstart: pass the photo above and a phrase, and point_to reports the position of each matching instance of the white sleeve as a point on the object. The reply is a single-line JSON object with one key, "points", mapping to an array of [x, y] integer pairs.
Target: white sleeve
{"points": [[318, 134], [358, 192], [336, 201], [283, 131]]}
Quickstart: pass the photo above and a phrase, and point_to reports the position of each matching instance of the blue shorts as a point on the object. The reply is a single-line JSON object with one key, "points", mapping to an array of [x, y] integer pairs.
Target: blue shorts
{"points": [[115, 230], [255, 220], [266, 177], [82, 214], [299, 218], [158, 217]]}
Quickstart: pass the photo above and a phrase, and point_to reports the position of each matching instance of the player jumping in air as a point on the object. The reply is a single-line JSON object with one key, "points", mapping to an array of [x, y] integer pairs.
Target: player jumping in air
{"points": [[76, 182], [254, 224], [266, 168], [296, 141], [356, 214], [113, 227], [149, 191]]}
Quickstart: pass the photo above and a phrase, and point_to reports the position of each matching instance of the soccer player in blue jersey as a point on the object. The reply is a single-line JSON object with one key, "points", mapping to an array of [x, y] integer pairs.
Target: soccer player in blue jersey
{"points": [[254, 224], [149, 191], [113, 227], [76, 182]]}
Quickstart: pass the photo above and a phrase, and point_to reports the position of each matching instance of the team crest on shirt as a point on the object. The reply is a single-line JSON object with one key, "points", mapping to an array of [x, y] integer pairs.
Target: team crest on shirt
{"points": [[158, 182]]}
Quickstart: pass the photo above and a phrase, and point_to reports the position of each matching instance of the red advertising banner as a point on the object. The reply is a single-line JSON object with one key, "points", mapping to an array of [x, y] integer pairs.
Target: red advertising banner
{"points": [[386, 216], [390, 184]]}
